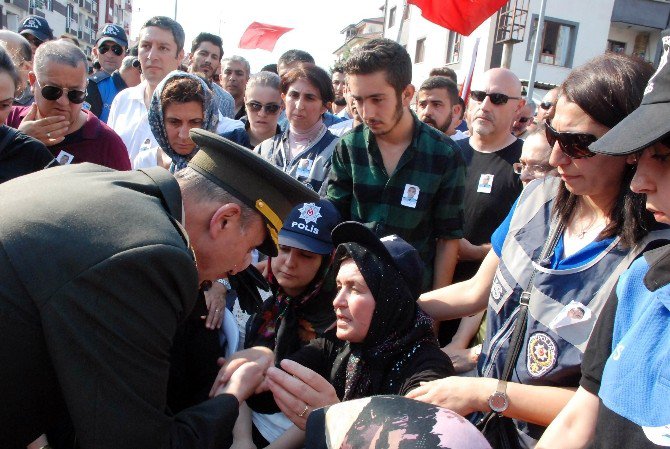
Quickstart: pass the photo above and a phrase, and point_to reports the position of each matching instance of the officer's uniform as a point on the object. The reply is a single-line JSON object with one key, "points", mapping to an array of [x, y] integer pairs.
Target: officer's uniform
{"points": [[101, 90]]}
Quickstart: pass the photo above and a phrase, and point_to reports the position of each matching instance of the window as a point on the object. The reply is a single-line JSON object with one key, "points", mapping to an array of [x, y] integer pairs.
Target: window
{"points": [[453, 47], [420, 50], [616, 47], [392, 17], [558, 42], [50, 5], [69, 18]]}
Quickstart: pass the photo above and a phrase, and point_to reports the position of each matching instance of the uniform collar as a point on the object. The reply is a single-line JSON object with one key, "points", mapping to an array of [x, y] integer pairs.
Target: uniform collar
{"points": [[658, 274]]}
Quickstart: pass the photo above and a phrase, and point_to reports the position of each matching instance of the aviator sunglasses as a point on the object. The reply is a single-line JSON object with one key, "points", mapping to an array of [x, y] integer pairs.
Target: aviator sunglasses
{"points": [[116, 49], [574, 145], [53, 93], [270, 108], [546, 105], [496, 98]]}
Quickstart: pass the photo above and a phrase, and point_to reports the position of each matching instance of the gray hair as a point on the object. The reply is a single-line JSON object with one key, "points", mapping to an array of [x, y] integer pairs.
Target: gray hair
{"points": [[127, 63], [7, 66], [203, 191], [264, 79], [25, 51], [239, 59], [59, 52], [168, 24]]}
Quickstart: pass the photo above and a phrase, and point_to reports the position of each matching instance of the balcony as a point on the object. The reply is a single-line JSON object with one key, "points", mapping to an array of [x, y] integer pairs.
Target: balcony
{"points": [[641, 13]]}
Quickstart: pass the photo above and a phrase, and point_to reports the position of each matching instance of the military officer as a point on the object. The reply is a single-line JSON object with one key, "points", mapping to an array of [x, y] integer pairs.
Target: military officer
{"points": [[98, 268]]}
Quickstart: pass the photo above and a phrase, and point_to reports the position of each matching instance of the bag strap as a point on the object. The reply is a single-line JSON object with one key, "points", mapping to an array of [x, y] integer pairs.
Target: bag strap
{"points": [[516, 341]]}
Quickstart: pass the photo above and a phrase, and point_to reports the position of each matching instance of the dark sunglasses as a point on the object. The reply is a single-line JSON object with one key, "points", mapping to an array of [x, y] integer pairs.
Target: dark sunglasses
{"points": [[53, 93], [270, 108], [137, 65], [524, 119], [496, 98], [116, 49], [546, 105], [574, 145]]}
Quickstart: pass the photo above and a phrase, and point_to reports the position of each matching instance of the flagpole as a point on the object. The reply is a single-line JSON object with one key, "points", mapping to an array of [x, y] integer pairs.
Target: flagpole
{"points": [[536, 51], [465, 90]]}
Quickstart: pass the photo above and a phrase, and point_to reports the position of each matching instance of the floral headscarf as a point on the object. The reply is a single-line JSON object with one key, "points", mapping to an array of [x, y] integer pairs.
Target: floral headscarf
{"points": [[157, 123]]}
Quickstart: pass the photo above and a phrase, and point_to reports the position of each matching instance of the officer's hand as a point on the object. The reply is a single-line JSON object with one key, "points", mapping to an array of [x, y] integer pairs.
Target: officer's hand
{"points": [[258, 354], [49, 130], [215, 298]]}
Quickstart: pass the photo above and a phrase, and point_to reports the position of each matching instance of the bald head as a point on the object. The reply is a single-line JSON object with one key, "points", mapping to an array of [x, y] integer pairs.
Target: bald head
{"points": [[492, 120], [21, 53]]}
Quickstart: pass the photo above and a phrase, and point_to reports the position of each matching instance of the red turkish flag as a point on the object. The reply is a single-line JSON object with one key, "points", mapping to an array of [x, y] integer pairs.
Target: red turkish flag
{"points": [[262, 35], [462, 16]]}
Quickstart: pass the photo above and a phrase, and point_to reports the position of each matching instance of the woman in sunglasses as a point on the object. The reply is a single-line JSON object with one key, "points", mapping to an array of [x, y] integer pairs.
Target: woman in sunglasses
{"points": [[181, 101], [592, 226], [305, 148], [263, 102]]}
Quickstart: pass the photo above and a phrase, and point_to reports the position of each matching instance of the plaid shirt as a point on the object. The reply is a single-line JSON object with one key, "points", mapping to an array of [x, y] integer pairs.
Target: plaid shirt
{"points": [[361, 189]]}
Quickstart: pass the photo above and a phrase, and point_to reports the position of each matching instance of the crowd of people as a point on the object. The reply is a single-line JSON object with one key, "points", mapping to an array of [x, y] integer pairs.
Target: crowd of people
{"points": [[233, 254]]}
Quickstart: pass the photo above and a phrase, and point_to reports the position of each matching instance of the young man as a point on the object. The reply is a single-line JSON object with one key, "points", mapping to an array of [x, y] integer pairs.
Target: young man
{"points": [[437, 103], [107, 83], [205, 58], [57, 119], [160, 50], [375, 165], [339, 84], [235, 72]]}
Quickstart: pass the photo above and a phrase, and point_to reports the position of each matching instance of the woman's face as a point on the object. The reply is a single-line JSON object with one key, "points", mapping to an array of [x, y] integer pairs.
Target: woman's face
{"points": [[354, 303], [262, 121], [652, 177], [303, 105], [295, 268], [598, 177], [179, 119], [7, 90]]}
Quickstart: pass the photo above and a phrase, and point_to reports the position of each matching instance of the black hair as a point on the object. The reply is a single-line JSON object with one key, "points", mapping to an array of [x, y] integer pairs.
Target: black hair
{"points": [[445, 71], [315, 75], [384, 55], [207, 37], [292, 56], [442, 82], [168, 24]]}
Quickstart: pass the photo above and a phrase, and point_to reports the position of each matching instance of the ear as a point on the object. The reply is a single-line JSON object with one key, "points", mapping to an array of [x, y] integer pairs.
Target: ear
{"points": [[190, 58], [225, 218], [95, 52], [456, 110], [325, 108], [408, 95], [180, 55], [522, 103]]}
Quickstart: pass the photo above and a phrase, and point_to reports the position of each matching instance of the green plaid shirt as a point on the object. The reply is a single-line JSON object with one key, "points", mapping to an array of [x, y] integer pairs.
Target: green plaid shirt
{"points": [[361, 189]]}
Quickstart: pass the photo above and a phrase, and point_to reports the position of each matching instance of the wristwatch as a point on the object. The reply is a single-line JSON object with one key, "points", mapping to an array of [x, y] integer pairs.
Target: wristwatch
{"points": [[225, 282], [499, 401]]}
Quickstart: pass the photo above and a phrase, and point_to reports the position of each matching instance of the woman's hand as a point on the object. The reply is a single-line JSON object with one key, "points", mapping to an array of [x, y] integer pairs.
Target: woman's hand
{"points": [[462, 395], [298, 390], [260, 355], [215, 298]]}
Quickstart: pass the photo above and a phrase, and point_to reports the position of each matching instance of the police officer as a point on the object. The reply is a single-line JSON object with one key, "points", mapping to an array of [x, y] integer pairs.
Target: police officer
{"points": [[37, 30], [87, 333], [103, 86]]}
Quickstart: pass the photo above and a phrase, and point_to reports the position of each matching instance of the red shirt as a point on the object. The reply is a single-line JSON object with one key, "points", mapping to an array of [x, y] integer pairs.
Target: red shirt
{"points": [[94, 142]]}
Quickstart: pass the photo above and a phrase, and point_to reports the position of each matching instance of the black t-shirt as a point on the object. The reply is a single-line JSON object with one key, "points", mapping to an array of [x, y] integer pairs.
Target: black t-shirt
{"points": [[491, 187], [21, 154], [612, 430]]}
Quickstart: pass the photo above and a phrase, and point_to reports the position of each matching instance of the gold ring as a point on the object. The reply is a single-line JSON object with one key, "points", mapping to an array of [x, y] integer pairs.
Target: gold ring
{"points": [[303, 412]]}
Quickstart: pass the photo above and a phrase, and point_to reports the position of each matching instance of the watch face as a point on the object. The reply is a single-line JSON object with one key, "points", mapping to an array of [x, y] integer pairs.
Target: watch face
{"points": [[498, 402]]}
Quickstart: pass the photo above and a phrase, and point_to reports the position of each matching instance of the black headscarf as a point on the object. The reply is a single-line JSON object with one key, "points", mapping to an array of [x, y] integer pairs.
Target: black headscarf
{"points": [[398, 328]]}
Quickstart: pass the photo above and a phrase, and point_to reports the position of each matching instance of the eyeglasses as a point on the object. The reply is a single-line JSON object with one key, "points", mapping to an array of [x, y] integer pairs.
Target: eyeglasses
{"points": [[533, 168], [137, 65], [496, 98], [524, 119], [53, 93], [546, 105], [116, 49], [270, 108], [574, 145]]}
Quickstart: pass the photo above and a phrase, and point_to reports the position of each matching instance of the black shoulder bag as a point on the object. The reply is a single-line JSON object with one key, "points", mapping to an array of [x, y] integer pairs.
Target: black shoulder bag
{"points": [[499, 430]]}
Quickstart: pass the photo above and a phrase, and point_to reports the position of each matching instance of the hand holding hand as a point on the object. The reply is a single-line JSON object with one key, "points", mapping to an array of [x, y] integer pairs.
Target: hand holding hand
{"points": [[243, 382], [264, 357], [298, 390], [49, 130]]}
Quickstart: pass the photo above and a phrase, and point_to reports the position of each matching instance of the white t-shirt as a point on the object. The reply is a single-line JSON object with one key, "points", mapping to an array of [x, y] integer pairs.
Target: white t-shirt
{"points": [[129, 118]]}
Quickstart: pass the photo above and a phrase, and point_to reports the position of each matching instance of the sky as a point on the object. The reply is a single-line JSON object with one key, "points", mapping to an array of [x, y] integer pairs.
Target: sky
{"points": [[316, 23]]}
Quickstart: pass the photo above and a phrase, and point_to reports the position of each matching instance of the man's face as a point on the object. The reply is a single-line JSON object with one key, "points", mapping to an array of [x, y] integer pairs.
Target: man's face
{"points": [[339, 84], [206, 59], [34, 42], [106, 53], [434, 108], [235, 78], [158, 54], [490, 120], [547, 108], [523, 118], [61, 76], [377, 102]]}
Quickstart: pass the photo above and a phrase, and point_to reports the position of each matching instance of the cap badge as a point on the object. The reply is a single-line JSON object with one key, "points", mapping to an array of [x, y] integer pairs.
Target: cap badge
{"points": [[111, 30], [31, 23], [310, 212]]}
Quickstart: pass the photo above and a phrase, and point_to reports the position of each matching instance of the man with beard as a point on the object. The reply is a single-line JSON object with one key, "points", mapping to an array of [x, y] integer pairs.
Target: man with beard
{"points": [[438, 104], [339, 84], [205, 58], [235, 71], [376, 165]]}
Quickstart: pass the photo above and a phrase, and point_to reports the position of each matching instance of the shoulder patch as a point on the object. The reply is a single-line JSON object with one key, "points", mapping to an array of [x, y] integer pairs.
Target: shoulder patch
{"points": [[542, 354]]}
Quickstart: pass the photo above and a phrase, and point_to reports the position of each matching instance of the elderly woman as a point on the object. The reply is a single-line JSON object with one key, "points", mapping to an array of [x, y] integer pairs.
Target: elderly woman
{"points": [[623, 393], [263, 102], [305, 148], [181, 101], [591, 226]]}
